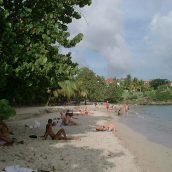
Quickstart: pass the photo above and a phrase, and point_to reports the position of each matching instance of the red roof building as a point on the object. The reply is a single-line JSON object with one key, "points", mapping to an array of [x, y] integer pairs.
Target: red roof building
{"points": [[109, 80]]}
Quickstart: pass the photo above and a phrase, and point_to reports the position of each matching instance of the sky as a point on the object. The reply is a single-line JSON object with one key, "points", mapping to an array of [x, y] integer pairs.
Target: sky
{"points": [[124, 37]]}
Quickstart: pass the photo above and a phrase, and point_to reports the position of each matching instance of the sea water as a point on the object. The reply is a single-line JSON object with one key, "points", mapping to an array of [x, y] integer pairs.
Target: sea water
{"points": [[153, 121]]}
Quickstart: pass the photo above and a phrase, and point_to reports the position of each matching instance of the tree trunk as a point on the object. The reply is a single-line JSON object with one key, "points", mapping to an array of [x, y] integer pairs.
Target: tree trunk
{"points": [[48, 100]]}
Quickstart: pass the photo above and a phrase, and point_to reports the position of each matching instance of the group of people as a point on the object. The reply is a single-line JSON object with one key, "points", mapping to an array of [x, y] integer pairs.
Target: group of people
{"points": [[66, 119]]}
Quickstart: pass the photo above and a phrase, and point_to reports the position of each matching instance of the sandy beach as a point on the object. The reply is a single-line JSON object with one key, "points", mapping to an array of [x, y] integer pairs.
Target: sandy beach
{"points": [[95, 151], [124, 151]]}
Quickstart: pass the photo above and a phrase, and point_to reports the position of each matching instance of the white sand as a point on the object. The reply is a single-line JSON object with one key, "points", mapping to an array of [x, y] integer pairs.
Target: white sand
{"points": [[95, 152]]}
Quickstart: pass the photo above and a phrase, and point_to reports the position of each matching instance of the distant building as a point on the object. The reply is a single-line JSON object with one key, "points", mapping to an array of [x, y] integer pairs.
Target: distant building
{"points": [[170, 83], [109, 80], [146, 83]]}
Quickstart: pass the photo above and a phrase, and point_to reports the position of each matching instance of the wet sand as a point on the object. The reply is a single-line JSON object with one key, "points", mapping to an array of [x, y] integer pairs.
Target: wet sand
{"points": [[150, 156]]}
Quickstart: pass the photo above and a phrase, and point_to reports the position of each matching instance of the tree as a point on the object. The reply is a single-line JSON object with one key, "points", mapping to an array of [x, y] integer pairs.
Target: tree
{"points": [[113, 93], [92, 83], [66, 91], [137, 84], [155, 83], [128, 83], [163, 93], [6, 110], [31, 33]]}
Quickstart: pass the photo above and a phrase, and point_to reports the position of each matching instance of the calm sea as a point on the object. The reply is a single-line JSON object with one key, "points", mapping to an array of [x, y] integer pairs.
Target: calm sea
{"points": [[153, 121]]}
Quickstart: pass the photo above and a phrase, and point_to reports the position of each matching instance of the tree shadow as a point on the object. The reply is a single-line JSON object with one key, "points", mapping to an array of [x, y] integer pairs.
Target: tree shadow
{"points": [[70, 158], [85, 125], [61, 155]]}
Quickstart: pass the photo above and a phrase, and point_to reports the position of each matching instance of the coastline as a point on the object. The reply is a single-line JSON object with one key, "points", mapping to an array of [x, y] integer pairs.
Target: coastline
{"points": [[148, 155]]}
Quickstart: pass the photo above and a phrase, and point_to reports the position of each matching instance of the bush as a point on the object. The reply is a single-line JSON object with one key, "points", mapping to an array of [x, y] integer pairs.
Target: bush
{"points": [[165, 95], [6, 110], [151, 95]]}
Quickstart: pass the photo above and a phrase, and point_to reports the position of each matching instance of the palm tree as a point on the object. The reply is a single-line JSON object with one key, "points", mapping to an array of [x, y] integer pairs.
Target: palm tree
{"points": [[53, 92], [81, 91], [68, 88]]}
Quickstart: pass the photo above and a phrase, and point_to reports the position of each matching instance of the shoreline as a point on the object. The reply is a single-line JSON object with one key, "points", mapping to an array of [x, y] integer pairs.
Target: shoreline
{"points": [[150, 156]]}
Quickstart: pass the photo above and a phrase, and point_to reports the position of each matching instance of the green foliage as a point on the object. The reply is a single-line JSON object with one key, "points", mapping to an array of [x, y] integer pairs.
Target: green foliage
{"points": [[6, 110], [163, 94], [133, 84], [67, 90], [91, 83], [128, 82], [31, 36], [97, 89], [155, 83], [113, 93], [132, 95]]}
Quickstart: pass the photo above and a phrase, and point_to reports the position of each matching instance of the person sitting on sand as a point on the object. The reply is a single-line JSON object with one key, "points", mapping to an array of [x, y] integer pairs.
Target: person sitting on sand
{"points": [[106, 127], [67, 119], [61, 134], [3, 133]]}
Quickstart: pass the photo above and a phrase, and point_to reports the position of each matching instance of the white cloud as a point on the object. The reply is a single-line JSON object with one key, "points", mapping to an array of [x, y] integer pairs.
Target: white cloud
{"points": [[104, 34], [105, 31], [159, 43]]}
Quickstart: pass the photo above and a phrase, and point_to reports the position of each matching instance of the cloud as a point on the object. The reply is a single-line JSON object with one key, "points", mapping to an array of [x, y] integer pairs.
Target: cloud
{"points": [[159, 42], [104, 32], [131, 39]]}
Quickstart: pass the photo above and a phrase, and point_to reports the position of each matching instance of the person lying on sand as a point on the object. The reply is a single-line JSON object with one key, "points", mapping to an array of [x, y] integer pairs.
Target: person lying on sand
{"points": [[85, 111], [3, 134], [60, 135], [67, 119], [106, 127]]}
